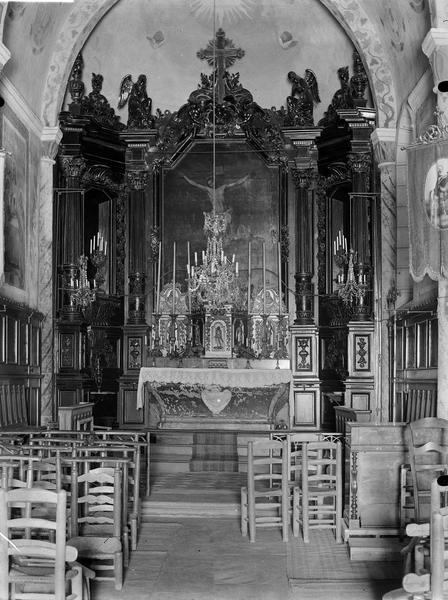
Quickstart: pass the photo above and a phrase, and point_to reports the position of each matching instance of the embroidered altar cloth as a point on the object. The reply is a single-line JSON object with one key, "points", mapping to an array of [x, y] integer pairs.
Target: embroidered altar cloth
{"points": [[222, 378]]}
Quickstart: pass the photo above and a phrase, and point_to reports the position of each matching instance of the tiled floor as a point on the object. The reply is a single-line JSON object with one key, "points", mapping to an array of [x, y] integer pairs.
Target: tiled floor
{"points": [[206, 558]]}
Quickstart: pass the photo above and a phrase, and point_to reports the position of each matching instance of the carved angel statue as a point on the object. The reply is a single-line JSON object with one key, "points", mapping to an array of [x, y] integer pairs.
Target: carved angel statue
{"points": [[139, 103], [304, 94]]}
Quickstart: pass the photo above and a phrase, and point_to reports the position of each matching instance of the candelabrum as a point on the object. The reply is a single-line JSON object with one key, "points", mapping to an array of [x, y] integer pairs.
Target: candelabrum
{"points": [[156, 349], [351, 278], [80, 290], [98, 260], [216, 280], [98, 373]]}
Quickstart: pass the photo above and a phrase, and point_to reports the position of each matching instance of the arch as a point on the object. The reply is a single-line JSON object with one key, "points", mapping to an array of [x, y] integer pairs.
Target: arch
{"points": [[80, 22], [85, 15]]}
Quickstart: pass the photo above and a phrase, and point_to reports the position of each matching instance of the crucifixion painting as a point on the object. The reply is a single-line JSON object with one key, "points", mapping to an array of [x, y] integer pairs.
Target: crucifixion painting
{"points": [[215, 194]]}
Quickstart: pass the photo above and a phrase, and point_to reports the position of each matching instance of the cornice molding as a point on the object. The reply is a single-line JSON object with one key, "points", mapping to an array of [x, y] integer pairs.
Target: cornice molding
{"points": [[19, 106]]}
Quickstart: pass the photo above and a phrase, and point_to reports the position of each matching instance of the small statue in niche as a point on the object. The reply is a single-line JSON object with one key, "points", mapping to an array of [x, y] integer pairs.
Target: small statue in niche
{"points": [[139, 103], [304, 94]]}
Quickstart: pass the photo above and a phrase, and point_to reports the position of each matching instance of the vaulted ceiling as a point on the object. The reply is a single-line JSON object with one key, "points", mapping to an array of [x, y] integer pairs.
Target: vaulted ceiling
{"points": [[161, 38]]}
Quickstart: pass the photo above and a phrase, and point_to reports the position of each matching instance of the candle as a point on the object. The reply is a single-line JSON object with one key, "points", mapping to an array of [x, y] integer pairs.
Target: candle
{"points": [[91, 246], [279, 256], [174, 278], [196, 259], [188, 282], [264, 278], [158, 278], [236, 268], [105, 247], [248, 280]]}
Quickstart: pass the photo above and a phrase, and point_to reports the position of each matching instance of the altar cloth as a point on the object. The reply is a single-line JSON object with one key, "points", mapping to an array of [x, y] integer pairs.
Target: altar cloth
{"points": [[224, 378]]}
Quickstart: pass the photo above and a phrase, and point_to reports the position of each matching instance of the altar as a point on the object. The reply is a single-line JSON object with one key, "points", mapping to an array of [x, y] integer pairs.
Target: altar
{"points": [[244, 398]]}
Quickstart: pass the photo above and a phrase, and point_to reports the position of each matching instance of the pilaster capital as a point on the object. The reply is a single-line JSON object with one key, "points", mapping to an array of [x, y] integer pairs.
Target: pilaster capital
{"points": [[303, 178], [359, 162], [73, 166], [137, 180], [384, 144], [50, 138]]}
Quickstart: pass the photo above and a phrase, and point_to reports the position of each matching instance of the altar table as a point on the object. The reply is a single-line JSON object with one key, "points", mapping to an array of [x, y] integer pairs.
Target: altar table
{"points": [[226, 395]]}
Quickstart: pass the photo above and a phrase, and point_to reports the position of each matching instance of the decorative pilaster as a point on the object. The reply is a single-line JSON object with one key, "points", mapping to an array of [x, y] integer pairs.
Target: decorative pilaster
{"points": [[306, 402], [137, 183], [51, 137], [70, 211], [383, 141], [304, 292]]}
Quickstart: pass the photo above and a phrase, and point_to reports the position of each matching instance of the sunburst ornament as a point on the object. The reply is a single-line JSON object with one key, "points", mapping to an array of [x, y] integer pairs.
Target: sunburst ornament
{"points": [[223, 11]]}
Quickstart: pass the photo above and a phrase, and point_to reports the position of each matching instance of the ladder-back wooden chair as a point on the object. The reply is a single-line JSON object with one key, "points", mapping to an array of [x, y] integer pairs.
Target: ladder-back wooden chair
{"points": [[265, 500], [317, 502], [33, 568], [96, 519], [429, 578], [108, 451]]}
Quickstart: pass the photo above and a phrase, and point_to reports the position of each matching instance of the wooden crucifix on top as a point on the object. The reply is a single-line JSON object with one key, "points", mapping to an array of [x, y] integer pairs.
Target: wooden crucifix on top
{"points": [[220, 54]]}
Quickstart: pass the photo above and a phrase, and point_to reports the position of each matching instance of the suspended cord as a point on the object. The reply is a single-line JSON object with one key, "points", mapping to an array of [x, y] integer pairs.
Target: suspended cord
{"points": [[214, 107]]}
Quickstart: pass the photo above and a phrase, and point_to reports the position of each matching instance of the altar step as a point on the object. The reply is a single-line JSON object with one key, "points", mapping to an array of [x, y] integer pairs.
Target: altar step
{"points": [[201, 451], [181, 509], [209, 494], [214, 452], [171, 453]]}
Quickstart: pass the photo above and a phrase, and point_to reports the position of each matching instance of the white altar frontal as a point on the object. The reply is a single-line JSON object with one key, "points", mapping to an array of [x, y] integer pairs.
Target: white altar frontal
{"points": [[240, 398]]}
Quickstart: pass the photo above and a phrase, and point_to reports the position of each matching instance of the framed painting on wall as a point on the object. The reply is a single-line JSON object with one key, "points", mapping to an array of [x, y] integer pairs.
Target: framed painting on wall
{"points": [[240, 184]]}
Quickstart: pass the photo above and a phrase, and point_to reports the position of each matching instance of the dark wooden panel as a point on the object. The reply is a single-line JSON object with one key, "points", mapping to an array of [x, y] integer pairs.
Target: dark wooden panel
{"points": [[11, 340], [129, 415]]}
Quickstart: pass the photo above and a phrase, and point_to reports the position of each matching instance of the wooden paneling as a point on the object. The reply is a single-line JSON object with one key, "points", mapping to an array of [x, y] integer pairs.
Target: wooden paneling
{"points": [[20, 374], [128, 414]]}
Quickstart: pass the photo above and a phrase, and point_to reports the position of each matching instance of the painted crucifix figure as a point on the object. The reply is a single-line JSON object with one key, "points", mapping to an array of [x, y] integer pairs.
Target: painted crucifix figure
{"points": [[215, 194], [220, 54]]}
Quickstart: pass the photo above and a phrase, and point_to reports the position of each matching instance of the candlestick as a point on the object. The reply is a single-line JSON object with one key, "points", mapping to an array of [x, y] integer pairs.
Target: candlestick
{"points": [[174, 278], [188, 282], [158, 279], [264, 278], [248, 279], [279, 257]]}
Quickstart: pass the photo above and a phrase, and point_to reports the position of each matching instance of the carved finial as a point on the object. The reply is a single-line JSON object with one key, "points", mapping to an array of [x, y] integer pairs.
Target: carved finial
{"points": [[358, 82], [76, 85]]}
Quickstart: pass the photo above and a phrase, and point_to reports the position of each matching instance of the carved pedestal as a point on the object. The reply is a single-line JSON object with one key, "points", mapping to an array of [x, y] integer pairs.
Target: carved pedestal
{"points": [[359, 384], [306, 408]]}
